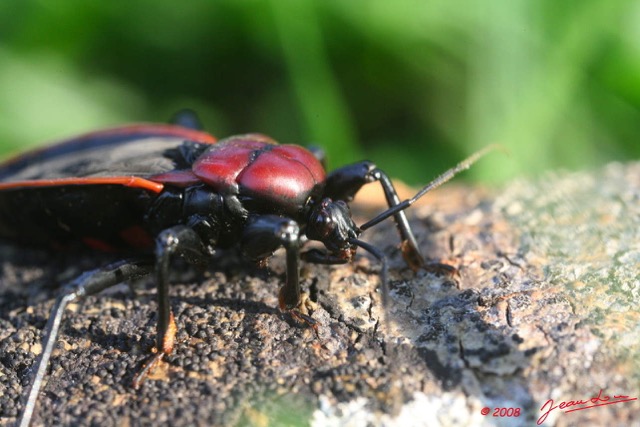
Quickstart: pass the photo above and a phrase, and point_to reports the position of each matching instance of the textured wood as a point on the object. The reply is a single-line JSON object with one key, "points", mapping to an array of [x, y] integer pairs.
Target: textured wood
{"points": [[545, 306]]}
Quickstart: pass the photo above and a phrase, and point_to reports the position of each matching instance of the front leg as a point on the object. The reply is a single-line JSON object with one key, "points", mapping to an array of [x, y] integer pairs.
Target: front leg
{"points": [[262, 235], [345, 182]]}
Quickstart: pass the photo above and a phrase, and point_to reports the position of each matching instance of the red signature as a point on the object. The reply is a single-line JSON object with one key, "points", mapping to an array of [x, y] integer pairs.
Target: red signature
{"points": [[578, 405]]}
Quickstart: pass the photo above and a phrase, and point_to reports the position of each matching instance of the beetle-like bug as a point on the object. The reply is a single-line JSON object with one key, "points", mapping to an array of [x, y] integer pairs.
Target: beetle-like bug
{"points": [[166, 191]]}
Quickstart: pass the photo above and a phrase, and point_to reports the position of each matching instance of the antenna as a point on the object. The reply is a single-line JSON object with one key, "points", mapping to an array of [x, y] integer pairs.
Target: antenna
{"points": [[437, 182]]}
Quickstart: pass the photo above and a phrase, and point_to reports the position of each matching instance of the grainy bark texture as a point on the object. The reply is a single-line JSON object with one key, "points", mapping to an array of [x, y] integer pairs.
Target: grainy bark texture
{"points": [[545, 306]]}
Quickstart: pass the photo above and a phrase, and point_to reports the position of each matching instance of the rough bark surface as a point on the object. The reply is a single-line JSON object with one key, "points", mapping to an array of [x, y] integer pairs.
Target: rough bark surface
{"points": [[545, 306]]}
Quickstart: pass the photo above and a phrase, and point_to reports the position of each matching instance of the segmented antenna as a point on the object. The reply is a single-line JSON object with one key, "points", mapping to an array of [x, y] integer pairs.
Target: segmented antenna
{"points": [[437, 182]]}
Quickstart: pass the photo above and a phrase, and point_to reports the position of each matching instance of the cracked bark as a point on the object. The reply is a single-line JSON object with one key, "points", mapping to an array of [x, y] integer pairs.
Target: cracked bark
{"points": [[545, 307]]}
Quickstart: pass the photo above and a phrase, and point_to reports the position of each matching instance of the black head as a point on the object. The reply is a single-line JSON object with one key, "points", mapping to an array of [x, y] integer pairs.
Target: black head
{"points": [[330, 222]]}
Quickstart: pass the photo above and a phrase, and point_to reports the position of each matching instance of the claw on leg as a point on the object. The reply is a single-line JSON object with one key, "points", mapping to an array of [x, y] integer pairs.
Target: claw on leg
{"points": [[147, 369], [415, 261], [411, 255], [301, 311], [442, 269], [166, 346], [306, 306]]}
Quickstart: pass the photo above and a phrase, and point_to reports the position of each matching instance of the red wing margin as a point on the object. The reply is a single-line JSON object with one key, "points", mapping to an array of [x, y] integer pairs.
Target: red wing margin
{"points": [[127, 181]]}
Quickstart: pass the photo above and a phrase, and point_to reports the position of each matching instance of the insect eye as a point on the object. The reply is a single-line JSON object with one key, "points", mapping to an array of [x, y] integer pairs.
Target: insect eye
{"points": [[324, 224]]}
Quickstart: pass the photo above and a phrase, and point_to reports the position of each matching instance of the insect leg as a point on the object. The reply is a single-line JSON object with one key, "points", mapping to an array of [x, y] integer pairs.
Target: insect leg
{"points": [[262, 235], [185, 242], [343, 183], [88, 283]]}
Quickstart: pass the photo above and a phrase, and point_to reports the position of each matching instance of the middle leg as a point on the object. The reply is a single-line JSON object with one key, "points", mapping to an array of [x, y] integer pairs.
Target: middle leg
{"points": [[182, 241], [264, 234]]}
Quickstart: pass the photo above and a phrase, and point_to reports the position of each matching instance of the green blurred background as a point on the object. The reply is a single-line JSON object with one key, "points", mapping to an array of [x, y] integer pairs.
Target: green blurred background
{"points": [[412, 85]]}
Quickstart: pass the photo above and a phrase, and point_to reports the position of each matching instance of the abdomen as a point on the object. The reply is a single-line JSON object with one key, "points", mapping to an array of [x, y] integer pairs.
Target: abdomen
{"points": [[107, 217]]}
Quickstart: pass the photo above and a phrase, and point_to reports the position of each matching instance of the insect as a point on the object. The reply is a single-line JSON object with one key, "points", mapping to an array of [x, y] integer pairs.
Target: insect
{"points": [[163, 191]]}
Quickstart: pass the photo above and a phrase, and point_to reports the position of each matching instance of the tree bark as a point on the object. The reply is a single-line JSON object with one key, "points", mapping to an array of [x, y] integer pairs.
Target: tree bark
{"points": [[544, 307]]}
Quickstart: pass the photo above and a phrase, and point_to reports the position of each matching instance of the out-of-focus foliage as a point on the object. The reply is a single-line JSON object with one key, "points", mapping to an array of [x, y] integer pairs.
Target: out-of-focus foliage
{"points": [[414, 85]]}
